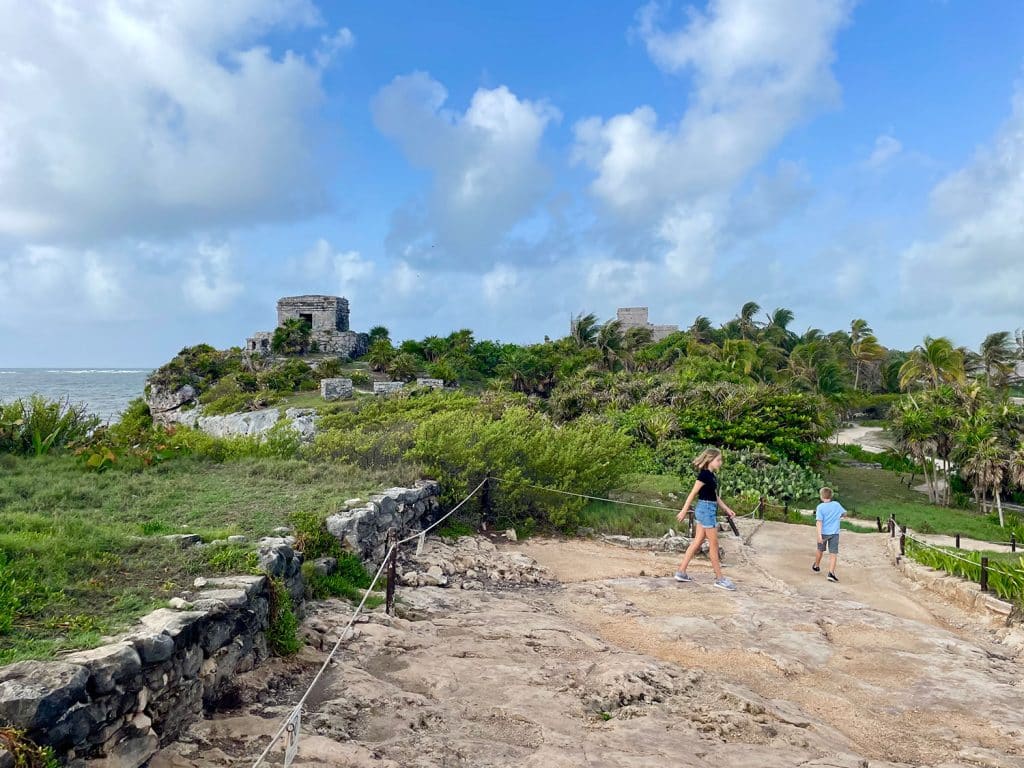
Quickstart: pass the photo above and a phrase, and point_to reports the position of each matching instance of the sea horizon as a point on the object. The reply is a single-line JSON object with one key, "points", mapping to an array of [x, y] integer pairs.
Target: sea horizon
{"points": [[104, 391]]}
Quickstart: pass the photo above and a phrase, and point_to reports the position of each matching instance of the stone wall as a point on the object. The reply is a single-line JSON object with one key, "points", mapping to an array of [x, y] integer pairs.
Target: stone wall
{"points": [[113, 706], [387, 387], [335, 389], [326, 313], [116, 704], [363, 528]]}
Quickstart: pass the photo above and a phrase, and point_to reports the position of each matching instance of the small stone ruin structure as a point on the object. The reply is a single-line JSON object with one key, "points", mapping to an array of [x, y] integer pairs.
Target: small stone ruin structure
{"points": [[335, 389], [327, 317], [636, 317]]}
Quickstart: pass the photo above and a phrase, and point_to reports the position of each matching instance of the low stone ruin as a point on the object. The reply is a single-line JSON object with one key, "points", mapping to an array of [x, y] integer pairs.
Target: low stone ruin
{"points": [[469, 562], [336, 389]]}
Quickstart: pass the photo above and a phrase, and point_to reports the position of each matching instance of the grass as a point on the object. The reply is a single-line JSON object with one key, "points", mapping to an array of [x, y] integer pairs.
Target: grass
{"points": [[1006, 571], [870, 493], [82, 554]]}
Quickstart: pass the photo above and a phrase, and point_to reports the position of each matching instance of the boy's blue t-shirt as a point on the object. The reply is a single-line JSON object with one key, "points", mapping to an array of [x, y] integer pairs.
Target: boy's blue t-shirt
{"points": [[829, 513]]}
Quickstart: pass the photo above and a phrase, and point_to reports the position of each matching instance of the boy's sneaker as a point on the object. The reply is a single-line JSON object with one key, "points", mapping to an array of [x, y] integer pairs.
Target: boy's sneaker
{"points": [[816, 568], [683, 576], [833, 577], [725, 583]]}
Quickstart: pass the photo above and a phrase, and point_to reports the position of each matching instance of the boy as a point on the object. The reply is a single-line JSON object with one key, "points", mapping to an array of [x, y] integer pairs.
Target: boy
{"points": [[828, 515]]}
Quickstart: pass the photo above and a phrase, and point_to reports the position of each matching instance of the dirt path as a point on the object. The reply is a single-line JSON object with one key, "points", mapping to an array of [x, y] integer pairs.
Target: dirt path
{"points": [[618, 665], [871, 439]]}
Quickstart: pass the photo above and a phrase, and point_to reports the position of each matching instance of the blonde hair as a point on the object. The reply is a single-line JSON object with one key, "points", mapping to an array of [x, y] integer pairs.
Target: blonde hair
{"points": [[825, 493], [706, 457]]}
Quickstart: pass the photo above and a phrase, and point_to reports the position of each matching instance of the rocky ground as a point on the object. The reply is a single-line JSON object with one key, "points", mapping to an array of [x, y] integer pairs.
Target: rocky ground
{"points": [[577, 653]]}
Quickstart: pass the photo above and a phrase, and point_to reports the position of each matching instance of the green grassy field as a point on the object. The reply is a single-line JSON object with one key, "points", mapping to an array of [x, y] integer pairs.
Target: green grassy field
{"points": [[82, 554], [870, 493]]}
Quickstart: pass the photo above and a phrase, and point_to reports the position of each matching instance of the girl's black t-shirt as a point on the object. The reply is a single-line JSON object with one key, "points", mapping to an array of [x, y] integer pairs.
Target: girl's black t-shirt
{"points": [[708, 491]]}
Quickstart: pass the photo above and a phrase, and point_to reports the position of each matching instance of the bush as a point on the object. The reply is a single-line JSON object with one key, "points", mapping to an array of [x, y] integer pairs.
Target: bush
{"points": [[200, 366], [290, 376], [350, 580], [523, 448], [312, 537], [360, 379], [37, 426], [280, 442], [239, 402], [893, 462], [330, 368]]}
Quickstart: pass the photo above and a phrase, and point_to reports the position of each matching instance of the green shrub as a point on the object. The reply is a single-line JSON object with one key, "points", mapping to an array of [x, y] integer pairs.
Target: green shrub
{"points": [[9, 601], [281, 441], [282, 637], [289, 376], [292, 337], [350, 581], [523, 448], [331, 368], [889, 460], [200, 366], [1006, 579], [36, 426], [239, 402], [312, 537], [24, 752], [360, 378]]}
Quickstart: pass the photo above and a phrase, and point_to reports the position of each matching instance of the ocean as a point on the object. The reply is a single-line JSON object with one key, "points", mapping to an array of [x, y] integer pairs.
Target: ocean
{"points": [[104, 391]]}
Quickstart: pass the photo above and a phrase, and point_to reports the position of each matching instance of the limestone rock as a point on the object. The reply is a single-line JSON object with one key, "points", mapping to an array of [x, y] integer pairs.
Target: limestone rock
{"points": [[36, 694], [109, 666]]}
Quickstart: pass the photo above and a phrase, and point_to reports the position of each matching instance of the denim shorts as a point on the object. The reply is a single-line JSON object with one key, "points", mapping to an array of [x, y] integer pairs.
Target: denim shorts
{"points": [[706, 513]]}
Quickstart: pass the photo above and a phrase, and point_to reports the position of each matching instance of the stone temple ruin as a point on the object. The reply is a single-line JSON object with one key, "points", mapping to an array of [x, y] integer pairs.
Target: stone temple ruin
{"points": [[327, 316], [636, 317]]}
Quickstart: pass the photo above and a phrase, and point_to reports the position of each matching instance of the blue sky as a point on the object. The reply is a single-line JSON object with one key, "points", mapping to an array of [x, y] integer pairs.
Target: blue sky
{"points": [[169, 171]]}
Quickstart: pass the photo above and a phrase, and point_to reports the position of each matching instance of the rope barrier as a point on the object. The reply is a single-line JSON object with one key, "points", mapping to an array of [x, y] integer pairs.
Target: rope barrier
{"points": [[293, 720]]}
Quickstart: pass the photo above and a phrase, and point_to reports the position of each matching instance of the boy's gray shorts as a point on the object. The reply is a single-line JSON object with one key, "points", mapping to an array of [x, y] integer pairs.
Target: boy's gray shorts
{"points": [[830, 541]]}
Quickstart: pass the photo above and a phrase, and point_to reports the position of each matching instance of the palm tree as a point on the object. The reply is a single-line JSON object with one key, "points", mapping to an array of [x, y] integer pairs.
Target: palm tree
{"points": [[1015, 466], [701, 329], [745, 320], [633, 341], [403, 366], [985, 461], [434, 348], [739, 355], [933, 363], [998, 358], [380, 355], [609, 343], [292, 337], [583, 329], [864, 347], [379, 332], [777, 330]]}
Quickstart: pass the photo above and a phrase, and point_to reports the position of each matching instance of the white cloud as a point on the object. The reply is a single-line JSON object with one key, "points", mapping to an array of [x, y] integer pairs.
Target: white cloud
{"points": [[486, 172], [342, 269], [210, 284], [886, 148], [499, 282], [404, 279], [975, 266], [758, 68], [143, 117]]}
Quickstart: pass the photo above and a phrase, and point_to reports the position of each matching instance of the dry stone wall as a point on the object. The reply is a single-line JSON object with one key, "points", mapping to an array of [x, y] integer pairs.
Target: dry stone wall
{"points": [[362, 528], [115, 705]]}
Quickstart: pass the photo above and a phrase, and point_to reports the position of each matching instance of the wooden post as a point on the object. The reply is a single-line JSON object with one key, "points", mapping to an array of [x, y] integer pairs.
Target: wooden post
{"points": [[984, 574], [785, 509], [392, 547], [760, 508], [892, 528], [1013, 543], [903, 540], [958, 541], [878, 521]]}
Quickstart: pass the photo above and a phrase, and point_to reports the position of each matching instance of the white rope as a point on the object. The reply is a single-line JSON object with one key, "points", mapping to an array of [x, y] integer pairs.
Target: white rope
{"points": [[348, 627], [448, 514], [323, 667]]}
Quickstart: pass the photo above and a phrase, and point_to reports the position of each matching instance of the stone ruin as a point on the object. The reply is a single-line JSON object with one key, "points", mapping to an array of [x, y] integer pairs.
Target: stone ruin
{"points": [[327, 317], [636, 317]]}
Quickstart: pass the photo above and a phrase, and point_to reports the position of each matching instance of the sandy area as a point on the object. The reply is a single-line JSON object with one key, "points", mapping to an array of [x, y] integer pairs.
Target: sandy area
{"points": [[616, 664]]}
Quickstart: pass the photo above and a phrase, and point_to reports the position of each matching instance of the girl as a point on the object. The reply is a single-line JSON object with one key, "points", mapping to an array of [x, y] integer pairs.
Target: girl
{"points": [[705, 489]]}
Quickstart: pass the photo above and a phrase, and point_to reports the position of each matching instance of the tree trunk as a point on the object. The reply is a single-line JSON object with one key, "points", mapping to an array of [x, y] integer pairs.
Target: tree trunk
{"points": [[999, 506], [856, 377]]}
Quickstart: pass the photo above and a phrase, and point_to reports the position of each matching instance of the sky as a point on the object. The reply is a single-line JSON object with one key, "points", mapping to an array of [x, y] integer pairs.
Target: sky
{"points": [[169, 169]]}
